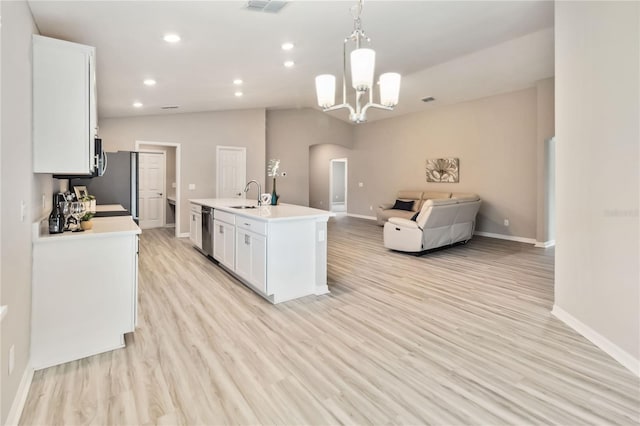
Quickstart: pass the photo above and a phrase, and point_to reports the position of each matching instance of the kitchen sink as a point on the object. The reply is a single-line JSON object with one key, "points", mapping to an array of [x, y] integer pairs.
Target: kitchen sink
{"points": [[243, 207]]}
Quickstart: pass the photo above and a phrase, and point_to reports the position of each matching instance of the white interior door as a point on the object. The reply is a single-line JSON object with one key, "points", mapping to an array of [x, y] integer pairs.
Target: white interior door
{"points": [[231, 166], [151, 168]]}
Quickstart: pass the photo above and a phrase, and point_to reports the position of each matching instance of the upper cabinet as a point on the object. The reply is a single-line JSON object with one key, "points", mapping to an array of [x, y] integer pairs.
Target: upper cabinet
{"points": [[64, 107]]}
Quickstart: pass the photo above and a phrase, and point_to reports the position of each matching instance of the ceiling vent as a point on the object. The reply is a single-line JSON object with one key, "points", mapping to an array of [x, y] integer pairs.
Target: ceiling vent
{"points": [[170, 107], [269, 6], [428, 99]]}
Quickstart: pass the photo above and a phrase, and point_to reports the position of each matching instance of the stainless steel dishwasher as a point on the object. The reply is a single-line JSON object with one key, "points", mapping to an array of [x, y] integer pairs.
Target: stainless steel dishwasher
{"points": [[207, 230]]}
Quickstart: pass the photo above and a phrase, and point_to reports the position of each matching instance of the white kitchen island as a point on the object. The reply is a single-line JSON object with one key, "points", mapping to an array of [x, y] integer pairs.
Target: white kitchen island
{"points": [[84, 290], [278, 251]]}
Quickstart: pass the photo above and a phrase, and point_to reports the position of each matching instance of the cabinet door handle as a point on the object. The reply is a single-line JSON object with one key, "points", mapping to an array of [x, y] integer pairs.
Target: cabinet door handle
{"points": [[221, 229], [247, 224], [247, 240]]}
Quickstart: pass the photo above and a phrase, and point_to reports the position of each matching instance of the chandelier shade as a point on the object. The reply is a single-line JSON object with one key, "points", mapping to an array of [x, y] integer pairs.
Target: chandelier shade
{"points": [[326, 90], [363, 63], [389, 89]]}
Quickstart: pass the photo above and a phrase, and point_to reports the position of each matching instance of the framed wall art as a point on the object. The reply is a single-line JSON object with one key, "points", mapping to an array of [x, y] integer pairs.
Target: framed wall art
{"points": [[443, 170]]}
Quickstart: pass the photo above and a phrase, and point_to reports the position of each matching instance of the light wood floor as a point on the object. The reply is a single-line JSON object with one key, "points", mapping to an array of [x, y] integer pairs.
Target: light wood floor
{"points": [[459, 336]]}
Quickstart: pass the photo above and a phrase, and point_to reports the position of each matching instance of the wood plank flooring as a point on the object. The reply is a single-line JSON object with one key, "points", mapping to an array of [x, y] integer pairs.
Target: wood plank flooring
{"points": [[459, 336]]}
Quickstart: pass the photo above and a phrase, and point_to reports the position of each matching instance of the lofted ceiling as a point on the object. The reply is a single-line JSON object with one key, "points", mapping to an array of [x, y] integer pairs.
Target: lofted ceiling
{"points": [[454, 51]]}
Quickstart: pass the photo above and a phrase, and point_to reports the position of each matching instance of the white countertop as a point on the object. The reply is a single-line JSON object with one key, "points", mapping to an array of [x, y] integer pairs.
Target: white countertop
{"points": [[102, 227], [268, 213]]}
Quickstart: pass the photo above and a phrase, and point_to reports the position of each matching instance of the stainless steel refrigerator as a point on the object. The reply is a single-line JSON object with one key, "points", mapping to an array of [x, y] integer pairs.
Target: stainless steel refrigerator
{"points": [[118, 184]]}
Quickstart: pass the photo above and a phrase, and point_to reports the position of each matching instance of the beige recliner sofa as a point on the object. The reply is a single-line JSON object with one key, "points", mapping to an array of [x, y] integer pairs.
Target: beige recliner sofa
{"points": [[441, 222], [386, 211]]}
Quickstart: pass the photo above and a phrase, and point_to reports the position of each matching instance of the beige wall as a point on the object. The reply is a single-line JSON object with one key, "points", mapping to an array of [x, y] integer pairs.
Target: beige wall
{"points": [[545, 156], [320, 157], [494, 138], [290, 133], [598, 169], [198, 134], [17, 183]]}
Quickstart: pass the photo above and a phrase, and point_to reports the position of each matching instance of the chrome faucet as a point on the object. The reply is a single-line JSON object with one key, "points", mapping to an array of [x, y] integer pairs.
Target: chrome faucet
{"points": [[246, 188]]}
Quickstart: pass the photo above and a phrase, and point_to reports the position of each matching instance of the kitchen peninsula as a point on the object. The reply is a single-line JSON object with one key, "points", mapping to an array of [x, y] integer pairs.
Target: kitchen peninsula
{"points": [[280, 251], [85, 289]]}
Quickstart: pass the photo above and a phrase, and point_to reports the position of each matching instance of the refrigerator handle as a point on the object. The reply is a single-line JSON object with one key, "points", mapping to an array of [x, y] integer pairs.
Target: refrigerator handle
{"points": [[106, 162]]}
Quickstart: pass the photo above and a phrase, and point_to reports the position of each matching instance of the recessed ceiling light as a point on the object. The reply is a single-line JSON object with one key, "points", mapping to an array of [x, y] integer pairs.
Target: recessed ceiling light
{"points": [[289, 64], [137, 104], [287, 46], [238, 94], [171, 38], [237, 82], [149, 82]]}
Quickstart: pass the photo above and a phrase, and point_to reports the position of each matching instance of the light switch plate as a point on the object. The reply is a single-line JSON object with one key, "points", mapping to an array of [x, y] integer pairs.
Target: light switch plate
{"points": [[192, 186]]}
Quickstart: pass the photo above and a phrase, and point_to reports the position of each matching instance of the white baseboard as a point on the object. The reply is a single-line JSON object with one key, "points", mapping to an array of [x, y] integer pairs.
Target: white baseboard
{"points": [[184, 235], [614, 351], [545, 244], [361, 216], [505, 237], [169, 225], [21, 397]]}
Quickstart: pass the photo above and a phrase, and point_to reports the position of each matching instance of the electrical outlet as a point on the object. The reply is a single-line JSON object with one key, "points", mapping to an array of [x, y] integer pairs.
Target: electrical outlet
{"points": [[506, 222], [371, 208], [320, 202], [360, 184], [23, 210], [192, 186], [12, 358]]}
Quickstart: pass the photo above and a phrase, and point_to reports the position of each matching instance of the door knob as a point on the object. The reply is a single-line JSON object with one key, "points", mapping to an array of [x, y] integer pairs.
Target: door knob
{"points": [[239, 194], [160, 194]]}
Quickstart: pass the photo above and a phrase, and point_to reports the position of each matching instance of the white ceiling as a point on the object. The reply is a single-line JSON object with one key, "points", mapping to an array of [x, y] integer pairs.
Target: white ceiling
{"points": [[451, 50]]}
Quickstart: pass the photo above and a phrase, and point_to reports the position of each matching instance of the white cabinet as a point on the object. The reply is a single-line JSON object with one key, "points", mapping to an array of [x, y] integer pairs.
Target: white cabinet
{"points": [[195, 225], [224, 247], [84, 295], [64, 107], [280, 252], [251, 258]]}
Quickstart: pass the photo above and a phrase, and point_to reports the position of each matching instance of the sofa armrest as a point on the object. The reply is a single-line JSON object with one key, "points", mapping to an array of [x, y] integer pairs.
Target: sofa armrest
{"points": [[404, 223], [385, 206]]}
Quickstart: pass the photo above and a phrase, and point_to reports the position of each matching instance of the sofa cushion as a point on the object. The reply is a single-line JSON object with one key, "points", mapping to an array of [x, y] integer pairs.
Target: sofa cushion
{"points": [[403, 205], [433, 195], [384, 215], [410, 195], [465, 196]]}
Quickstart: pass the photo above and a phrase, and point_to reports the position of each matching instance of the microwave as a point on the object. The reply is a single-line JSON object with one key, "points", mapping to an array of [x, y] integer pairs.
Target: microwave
{"points": [[99, 164]]}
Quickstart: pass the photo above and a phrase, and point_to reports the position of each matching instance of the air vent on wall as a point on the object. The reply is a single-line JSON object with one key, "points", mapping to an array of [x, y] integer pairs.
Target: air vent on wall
{"points": [[170, 107], [428, 99], [269, 6]]}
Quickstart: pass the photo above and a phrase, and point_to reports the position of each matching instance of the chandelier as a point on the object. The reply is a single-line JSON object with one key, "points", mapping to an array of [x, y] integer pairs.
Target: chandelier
{"points": [[362, 62]]}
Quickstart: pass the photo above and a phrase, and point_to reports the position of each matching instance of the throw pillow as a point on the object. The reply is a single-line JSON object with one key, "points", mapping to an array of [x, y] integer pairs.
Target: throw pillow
{"points": [[415, 216], [403, 205]]}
